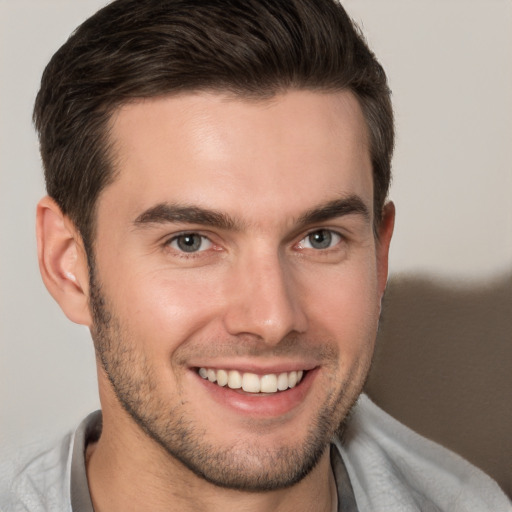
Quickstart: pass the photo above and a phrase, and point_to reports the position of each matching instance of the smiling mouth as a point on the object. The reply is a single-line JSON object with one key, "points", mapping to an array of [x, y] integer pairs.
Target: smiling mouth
{"points": [[251, 382]]}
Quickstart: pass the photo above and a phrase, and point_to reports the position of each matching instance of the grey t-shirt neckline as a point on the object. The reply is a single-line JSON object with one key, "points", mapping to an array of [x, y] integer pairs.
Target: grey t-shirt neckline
{"points": [[87, 432]]}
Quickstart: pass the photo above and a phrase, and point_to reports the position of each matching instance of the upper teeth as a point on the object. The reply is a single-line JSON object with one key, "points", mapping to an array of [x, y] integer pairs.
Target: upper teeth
{"points": [[252, 383]]}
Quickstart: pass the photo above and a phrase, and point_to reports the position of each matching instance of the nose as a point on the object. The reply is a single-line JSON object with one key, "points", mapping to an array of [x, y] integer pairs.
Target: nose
{"points": [[264, 300]]}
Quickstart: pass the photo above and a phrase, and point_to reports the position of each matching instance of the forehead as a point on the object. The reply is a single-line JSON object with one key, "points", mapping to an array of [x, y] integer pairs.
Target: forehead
{"points": [[252, 156]]}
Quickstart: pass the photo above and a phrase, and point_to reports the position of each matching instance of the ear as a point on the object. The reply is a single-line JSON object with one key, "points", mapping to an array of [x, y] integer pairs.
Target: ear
{"points": [[386, 227], [62, 261]]}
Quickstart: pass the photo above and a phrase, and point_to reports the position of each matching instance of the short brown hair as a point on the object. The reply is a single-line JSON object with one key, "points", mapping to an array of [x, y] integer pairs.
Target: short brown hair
{"points": [[146, 48]]}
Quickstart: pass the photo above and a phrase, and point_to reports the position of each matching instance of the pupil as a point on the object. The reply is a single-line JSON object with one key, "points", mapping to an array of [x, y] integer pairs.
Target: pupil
{"points": [[320, 239], [189, 243]]}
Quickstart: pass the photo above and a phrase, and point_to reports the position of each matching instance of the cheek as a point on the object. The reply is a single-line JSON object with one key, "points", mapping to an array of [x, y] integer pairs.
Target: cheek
{"points": [[163, 310], [346, 304]]}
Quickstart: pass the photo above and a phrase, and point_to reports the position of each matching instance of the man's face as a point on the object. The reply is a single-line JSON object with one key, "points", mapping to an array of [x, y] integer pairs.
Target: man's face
{"points": [[236, 244]]}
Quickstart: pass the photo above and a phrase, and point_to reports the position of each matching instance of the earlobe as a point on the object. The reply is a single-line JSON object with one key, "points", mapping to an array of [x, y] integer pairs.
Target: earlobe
{"points": [[385, 233], [62, 261]]}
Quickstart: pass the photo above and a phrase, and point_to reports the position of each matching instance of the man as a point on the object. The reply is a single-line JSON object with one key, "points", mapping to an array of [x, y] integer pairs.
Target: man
{"points": [[217, 176]]}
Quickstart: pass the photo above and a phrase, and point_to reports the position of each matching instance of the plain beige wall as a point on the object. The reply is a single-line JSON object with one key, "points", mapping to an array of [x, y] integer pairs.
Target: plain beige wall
{"points": [[449, 65]]}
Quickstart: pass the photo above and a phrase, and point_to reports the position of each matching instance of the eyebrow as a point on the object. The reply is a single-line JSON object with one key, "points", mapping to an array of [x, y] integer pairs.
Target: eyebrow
{"points": [[172, 213], [163, 213], [337, 208]]}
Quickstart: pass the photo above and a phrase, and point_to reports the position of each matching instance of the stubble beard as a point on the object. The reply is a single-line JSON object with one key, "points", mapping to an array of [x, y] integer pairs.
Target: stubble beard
{"points": [[241, 466]]}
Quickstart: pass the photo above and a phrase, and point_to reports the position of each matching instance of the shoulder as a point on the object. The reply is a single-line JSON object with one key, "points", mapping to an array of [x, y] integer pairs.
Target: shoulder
{"points": [[392, 468], [39, 482]]}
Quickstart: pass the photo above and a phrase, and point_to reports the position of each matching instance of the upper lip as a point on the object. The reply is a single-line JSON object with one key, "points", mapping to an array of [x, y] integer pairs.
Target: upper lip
{"points": [[257, 368]]}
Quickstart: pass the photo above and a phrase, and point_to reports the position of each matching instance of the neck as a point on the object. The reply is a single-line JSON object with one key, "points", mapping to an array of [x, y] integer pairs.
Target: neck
{"points": [[130, 472]]}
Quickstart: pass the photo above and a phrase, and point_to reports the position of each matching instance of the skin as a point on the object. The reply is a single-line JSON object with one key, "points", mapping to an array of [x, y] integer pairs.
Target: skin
{"points": [[257, 296]]}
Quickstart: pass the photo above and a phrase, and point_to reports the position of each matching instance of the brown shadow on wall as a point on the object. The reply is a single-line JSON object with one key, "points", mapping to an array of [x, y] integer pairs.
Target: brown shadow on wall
{"points": [[443, 366]]}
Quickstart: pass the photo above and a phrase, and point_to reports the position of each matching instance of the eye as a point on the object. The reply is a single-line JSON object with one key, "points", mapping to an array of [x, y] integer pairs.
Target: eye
{"points": [[320, 239], [190, 242]]}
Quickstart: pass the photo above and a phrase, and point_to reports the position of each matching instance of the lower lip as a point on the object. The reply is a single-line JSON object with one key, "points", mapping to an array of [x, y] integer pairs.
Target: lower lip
{"points": [[260, 405]]}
